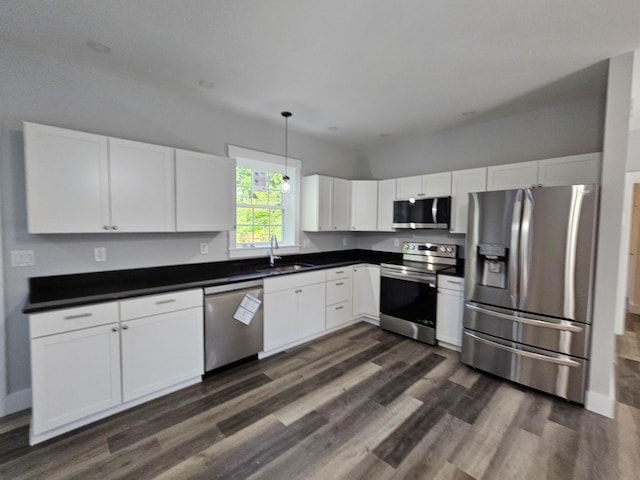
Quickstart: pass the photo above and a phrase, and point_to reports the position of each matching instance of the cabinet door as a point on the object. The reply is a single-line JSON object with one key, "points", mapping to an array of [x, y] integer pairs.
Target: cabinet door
{"points": [[311, 299], [436, 184], [366, 291], [325, 203], [338, 314], [409, 187], [513, 175], [67, 180], [386, 196], [341, 204], [573, 170], [142, 187], [160, 351], [205, 192], [464, 182], [449, 317], [280, 318], [364, 199], [74, 375]]}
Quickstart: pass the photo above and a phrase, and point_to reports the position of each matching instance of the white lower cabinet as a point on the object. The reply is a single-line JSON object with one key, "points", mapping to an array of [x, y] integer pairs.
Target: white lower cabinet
{"points": [[74, 375], [90, 362], [366, 291], [450, 308], [294, 308]]}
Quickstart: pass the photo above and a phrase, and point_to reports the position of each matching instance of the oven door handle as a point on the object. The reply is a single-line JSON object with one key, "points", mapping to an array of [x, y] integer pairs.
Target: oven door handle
{"points": [[408, 278]]}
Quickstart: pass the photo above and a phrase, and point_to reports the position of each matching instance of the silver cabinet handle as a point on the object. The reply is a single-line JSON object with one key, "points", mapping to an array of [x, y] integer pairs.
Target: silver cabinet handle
{"points": [[339, 272], [340, 307], [527, 321], [455, 283], [106, 227], [420, 194], [339, 283], [79, 315], [125, 327], [114, 227], [536, 356], [162, 302], [114, 329]]}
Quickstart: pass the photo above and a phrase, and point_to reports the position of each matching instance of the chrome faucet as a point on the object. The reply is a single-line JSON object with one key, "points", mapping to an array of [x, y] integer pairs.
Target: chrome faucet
{"points": [[272, 257]]}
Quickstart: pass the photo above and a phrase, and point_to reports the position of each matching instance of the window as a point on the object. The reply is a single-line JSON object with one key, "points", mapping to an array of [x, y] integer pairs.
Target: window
{"points": [[262, 210]]}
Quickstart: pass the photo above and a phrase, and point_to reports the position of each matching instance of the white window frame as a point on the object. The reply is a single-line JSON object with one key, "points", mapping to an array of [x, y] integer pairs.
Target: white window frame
{"points": [[256, 159]]}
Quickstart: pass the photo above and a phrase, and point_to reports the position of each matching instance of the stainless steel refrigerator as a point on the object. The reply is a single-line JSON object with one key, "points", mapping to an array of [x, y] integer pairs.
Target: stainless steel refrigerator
{"points": [[528, 286]]}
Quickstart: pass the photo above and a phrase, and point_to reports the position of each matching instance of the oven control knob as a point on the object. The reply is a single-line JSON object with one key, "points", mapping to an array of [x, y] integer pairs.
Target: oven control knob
{"points": [[443, 249], [449, 249]]}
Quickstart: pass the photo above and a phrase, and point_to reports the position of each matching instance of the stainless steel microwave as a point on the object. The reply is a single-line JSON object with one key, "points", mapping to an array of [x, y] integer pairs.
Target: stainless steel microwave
{"points": [[422, 213]]}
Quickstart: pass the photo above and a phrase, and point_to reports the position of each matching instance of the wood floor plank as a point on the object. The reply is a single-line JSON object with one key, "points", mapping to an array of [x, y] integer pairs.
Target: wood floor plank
{"points": [[430, 455], [465, 376], [486, 433], [514, 456], [556, 455], [628, 441], [475, 399], [451, 472], [597, 449]]}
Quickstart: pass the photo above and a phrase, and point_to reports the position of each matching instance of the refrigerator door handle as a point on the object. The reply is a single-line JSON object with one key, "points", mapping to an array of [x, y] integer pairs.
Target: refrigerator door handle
{"points": [[514, 247], [537, 356], [526, 232], [527, 321]]}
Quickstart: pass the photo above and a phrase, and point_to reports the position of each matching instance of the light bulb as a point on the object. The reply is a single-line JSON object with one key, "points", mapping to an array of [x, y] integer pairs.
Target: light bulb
{"points": [[286, 185]]}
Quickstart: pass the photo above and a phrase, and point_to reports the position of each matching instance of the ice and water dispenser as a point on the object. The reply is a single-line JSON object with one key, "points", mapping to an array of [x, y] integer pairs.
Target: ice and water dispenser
{"points": [[493, 264]]}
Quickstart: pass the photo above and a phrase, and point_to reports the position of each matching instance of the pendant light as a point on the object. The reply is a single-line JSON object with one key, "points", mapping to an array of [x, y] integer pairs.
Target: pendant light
{"points": [[286, 181]]}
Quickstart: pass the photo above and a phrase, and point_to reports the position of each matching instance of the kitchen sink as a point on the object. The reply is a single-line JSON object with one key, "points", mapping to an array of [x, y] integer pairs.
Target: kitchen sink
{"points": [[277, 269]]}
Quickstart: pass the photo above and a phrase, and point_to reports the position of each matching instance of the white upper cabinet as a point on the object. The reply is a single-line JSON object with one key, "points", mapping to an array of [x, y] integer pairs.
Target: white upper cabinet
{"points": [[386, 196], [424, 186], [364, 201], [409, 187], [204, 192], [67, 176], [436, 184], [326, 204], [513, 175], [464, 182], [83, 183], [341, 204], [572, 170], [141, 180]]}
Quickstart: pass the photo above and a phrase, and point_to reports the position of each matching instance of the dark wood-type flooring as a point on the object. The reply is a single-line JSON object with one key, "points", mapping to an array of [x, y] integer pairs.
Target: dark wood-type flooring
{"points": [[359, 404]]}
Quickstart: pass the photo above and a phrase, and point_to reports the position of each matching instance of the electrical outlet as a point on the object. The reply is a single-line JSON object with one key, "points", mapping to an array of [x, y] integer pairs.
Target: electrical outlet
{"points": [[396, 242], [345, 241], [204, 249], [306, 243], [22, 258], [100, 254]]}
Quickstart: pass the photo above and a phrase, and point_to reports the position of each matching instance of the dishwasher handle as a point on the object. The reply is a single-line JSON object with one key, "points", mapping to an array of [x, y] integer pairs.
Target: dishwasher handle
{"points": [[232, 287]]}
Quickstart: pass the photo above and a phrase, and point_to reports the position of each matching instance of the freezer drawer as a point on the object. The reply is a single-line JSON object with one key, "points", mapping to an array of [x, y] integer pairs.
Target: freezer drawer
{"points": [[563, 336], [550, 372]]}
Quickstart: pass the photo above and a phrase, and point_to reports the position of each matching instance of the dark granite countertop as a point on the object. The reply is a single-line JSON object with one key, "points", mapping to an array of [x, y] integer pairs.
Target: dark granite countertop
{"points": [[63, 291]]}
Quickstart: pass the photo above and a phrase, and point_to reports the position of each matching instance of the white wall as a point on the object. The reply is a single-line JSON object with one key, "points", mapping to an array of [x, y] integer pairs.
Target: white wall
{"points": [[557, 131], [49, 91], [609, 287]]}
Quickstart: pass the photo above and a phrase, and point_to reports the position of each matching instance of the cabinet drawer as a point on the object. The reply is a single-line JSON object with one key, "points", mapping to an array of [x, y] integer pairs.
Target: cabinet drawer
{"points": [[293, 280], [156, 304], [451, 283], [338, 290], [338, 314], [340, 272], [69, 319]]}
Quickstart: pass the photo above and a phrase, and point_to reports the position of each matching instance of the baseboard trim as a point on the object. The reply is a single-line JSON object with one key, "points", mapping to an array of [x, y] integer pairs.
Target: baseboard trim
{"points": [[604, 405], [16, 401]]}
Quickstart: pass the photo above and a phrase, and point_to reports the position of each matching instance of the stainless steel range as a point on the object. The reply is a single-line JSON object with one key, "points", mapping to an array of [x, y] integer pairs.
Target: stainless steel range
{"points": [[408, 291]]}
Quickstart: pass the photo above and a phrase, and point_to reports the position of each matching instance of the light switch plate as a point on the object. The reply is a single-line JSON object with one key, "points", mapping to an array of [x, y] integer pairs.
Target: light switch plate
{"points": [[22, 258], [396, 242], [204, 249]]}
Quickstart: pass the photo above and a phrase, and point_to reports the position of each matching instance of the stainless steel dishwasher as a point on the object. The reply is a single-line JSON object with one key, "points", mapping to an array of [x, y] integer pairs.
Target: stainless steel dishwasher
{"points": [[225, 338]]}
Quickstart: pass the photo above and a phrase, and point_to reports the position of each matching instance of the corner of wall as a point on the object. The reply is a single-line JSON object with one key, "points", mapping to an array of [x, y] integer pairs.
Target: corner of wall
{"points": [[603, 404], [16, 401]]}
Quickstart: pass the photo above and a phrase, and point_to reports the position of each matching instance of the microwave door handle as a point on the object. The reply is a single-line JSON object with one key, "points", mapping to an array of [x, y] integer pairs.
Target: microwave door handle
{"points": [[514, 248], [434, 210], [526, 233]]}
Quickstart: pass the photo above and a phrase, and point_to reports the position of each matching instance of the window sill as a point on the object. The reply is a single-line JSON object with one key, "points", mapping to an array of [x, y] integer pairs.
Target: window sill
{"points": [[262, 251]]}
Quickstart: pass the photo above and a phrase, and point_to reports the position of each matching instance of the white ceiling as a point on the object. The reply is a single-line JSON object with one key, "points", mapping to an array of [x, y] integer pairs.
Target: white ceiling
{"points": [[368, 67]]}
